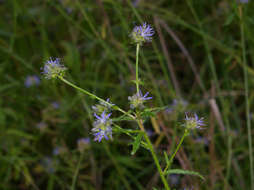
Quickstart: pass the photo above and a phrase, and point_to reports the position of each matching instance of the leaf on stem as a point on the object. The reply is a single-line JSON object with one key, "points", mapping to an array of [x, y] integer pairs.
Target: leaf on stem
{"points": [[166, 158], [184, 172], [136, 143], [123, 118]]}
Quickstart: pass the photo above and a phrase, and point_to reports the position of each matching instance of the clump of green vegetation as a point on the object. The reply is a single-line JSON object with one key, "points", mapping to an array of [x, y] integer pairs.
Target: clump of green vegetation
{"points": [[201, 53]]}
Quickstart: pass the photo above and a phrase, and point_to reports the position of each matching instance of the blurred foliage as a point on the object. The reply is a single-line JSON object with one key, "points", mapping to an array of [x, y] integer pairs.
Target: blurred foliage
{"points": [[40, 125]]}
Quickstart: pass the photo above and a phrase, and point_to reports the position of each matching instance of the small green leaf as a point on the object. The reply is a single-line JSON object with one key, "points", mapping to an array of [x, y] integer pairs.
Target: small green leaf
{"points": [[20, 134], [184, 172], [144, 145], [123, 118], [136, 143], [151, 112], [166, 158], [118, 129], [229, 19]]}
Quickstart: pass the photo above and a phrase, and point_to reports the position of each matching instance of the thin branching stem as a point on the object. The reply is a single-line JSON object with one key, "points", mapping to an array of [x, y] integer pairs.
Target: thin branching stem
{"points": [[137, 80], [155, 158], [177, 148], [96, 97]]}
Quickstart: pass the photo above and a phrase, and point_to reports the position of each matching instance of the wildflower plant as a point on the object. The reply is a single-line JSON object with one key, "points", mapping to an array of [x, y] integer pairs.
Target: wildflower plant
{"points": [[104, 124], [102, 127], [53, 68], [103, 107], [193, 122], [138, 100]]}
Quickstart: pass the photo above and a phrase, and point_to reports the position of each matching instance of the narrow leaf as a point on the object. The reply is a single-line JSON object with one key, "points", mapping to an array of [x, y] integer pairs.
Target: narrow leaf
{"points": [[136, 143], [184, 172], [166, 158]]}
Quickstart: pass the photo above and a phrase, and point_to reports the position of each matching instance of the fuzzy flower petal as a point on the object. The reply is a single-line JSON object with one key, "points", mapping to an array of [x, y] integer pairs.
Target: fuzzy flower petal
{"points": [[138, 100], [32, 80], [102, 127], [53, 69], [102, 106], [193, 122], [142, 33]]}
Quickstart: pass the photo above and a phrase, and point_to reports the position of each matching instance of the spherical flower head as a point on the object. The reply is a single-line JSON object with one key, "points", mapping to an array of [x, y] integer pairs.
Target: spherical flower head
{"points": [[138, 100], [142, 33], [102, 106], [59, 150], [55, 105], [243, 1], [193, 122], [42, 126], [32, 80], [53, 69], [83, 143], [49, 164], [102, 127]]}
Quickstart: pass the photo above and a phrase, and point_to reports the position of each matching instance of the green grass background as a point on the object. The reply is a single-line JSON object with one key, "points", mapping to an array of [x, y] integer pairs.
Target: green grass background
{"points": [[92, 38]]}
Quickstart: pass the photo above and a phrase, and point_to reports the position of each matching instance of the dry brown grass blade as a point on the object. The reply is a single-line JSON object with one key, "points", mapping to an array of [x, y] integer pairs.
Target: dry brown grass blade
{"points": [[168, 58], [185, 52], [212, 155], [217, 114]]}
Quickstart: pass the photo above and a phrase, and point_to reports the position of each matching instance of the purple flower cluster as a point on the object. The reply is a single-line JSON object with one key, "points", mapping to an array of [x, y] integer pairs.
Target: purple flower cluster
{"points": [[55, 105], [83, 143], [32, 80], [102, 106], [137, 100], [42, 126], [193, 122], [59, 150], [142, 33], [49, 164], [53, 69], [102, 127], [243, 1]]}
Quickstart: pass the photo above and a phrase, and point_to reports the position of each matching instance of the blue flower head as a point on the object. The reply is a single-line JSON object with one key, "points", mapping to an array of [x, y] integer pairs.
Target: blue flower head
{"points": [[49, 164], [193, 122], [53, 69], [55, 105], [32, 80], [102, 106], [138, 100], [142, 33], [244, 1], [83, 143], [59, 150], [102, 127], [42, 126]]}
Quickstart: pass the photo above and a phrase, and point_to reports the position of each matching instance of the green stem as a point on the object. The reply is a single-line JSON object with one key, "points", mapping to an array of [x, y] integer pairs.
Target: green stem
{"points": [[156, 160], [137, 80], [177, 148], [96, 97], [246, 97]]}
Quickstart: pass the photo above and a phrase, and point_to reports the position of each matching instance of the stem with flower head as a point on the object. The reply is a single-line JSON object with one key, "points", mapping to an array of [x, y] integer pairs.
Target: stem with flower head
{"points": [[155, 158], [137, 80], [177, 148], [96, 97]]}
